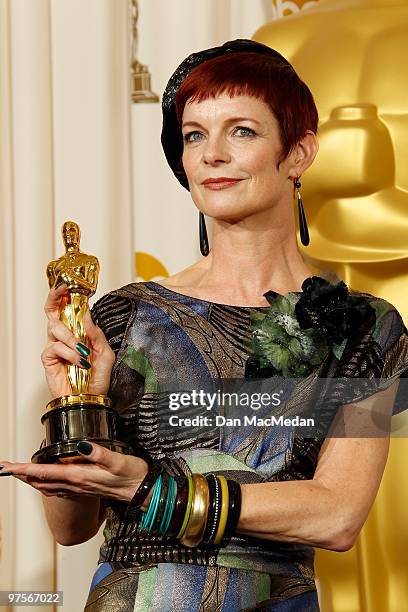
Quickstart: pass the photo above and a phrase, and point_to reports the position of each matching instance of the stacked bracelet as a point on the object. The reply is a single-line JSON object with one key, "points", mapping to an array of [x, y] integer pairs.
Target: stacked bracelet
{"points": [[214, 508], [201, 510], [197, 521], [178, 512], [234, 509], [155, 469]]}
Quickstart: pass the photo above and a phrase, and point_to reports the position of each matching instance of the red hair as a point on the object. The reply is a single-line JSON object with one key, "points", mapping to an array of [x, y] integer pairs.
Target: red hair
{"points": [[265, 77]]}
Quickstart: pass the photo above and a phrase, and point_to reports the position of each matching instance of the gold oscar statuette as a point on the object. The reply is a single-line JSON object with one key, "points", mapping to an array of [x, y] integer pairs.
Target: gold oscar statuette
{"points": [[79, 415]]}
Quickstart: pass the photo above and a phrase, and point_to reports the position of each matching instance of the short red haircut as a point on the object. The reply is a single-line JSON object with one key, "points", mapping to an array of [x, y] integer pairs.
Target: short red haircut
{"points": [[266, 77]]}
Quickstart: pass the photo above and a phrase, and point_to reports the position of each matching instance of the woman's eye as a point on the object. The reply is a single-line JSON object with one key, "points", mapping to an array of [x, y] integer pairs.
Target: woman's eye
{"points": [[245, 130], [189, 137]]}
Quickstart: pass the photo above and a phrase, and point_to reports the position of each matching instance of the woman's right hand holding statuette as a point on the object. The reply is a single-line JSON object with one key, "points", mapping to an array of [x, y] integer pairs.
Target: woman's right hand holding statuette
{"points": [[62, 348]]}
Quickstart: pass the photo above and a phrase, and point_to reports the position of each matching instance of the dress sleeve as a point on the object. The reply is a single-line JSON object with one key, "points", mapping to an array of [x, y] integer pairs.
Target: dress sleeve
{"points": [[371, 362], [392, 337], [114, 313], [378, 359]]}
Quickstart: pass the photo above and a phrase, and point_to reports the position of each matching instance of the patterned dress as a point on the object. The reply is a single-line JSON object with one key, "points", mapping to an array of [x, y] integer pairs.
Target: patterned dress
{"points": [[162, 338]]}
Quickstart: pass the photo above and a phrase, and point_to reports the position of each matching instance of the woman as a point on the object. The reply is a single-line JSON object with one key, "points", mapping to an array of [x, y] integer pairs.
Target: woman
{"points": [[207, 517]]}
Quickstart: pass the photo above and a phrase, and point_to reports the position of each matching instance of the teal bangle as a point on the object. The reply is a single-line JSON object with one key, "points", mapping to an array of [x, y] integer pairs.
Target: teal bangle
{"points": [[150, 509], [148, 513], [168, 507], [172, 506], [154, 504]]}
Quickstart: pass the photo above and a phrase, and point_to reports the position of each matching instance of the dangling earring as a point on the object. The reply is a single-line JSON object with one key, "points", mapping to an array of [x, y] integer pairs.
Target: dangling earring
{"points": [[304, 231], [204, 248]]}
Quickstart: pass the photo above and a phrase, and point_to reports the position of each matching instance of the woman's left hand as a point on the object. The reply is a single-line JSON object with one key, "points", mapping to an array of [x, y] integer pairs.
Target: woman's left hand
{"points": [[108, 474]]}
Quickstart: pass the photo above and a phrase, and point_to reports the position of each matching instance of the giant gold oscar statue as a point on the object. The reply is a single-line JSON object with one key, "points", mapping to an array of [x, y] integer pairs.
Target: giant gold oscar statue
{"points": [[79, 415], [352, 54]]}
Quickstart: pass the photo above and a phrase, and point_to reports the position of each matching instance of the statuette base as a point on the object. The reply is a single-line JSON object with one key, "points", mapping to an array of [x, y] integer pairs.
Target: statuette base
{"points": [[76, 418]]}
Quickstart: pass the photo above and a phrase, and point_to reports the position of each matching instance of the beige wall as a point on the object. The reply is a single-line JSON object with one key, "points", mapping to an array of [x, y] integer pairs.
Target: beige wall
{"points": [[65, 154]]}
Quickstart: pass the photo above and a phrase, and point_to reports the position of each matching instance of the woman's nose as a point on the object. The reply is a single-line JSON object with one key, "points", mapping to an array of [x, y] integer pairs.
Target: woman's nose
{"points": [[215, 150]]}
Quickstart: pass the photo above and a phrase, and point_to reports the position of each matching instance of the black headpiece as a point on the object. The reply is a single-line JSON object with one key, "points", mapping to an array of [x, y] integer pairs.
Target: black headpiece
{"points": [[171, 136]]}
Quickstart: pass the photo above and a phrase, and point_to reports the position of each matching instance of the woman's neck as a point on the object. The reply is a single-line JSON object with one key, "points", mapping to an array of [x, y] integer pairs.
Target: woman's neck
{"points": [[253, 259]]}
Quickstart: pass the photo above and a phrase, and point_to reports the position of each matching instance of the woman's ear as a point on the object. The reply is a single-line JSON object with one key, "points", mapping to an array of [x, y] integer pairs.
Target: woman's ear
{"points": [[303, 154]]}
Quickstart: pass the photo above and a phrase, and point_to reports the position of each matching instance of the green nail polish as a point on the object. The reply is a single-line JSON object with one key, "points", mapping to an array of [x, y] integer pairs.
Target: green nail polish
{"points": [[82, 349], [85, 363], [85, 447]]}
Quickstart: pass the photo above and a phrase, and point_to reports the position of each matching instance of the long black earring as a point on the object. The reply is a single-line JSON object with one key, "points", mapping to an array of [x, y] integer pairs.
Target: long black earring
{"points": [[304, 230], [204, 247]]}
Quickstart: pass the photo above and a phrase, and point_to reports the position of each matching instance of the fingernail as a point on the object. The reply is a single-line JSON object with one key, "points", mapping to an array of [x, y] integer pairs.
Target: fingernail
{"points": [[85, 363], [1, 467], [6, 474], [85, 448], [82, 349]]}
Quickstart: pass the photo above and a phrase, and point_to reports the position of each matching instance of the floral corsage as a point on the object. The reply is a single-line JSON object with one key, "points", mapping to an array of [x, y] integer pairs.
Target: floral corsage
{"points": [[300, 329]]}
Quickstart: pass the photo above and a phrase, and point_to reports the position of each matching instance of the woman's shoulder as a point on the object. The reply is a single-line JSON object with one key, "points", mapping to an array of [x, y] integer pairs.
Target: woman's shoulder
{"points": [[115, 308], [344, 311], [390, 335], [121, 298], [389, 324], [109, 301]]}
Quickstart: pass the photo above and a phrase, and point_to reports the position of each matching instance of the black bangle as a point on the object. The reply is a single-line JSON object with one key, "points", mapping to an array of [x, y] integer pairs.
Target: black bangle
{"points": [[211, 517], [234, 510], [143, 490], [217, 502], [179, 510]]}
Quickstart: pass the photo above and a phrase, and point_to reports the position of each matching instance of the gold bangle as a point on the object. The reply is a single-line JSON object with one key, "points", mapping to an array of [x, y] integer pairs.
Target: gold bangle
{"points": [[224, 509], [188, 508], [199, 511]]}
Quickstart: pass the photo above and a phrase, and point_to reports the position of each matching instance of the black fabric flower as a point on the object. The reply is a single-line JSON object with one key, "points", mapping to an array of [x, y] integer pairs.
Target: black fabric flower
{"points": [[331, 309]]}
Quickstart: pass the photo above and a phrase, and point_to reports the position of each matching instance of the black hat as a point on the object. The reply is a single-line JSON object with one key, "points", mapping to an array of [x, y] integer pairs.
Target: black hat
{"points": [[171, 136]]}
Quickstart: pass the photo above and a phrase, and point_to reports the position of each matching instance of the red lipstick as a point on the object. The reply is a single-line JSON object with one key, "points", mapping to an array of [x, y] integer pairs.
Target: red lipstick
{"points": [[222, 182]]}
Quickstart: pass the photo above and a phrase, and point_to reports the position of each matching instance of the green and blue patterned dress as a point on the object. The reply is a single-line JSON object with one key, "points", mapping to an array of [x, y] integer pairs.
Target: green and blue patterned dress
{"points": [[161, 338]]}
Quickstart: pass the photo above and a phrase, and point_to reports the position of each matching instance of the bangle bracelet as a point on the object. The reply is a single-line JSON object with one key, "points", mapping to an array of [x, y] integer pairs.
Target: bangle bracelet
{"points": [[143, 490], [179, 511], [188, 507], [213, 514], [193, 534], [224, 509], [163, 501], [149, 516], [217, 509], [169, 507], [154, 505], [234, 510]]}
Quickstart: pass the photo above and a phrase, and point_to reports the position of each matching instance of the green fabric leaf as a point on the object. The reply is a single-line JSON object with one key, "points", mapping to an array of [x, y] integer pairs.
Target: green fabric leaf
{"points": [[339, 348], [279, 357], [283, 303], [381, 307], [256, 316], [319, 343], [296, 348], [277, 336]]}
